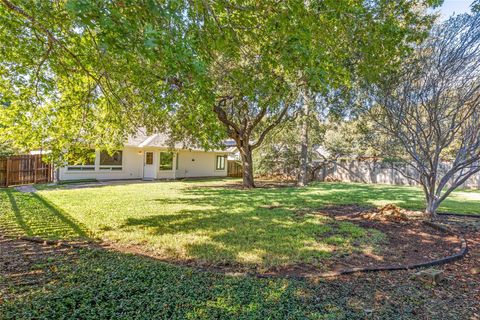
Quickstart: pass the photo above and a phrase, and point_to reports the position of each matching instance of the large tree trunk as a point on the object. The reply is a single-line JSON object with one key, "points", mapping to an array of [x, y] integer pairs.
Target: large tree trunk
{"points": [[303, 173], [247, 163]]}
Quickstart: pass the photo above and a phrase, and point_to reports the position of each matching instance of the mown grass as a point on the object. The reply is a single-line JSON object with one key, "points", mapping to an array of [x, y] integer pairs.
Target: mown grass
{"points": [[213, 224]]}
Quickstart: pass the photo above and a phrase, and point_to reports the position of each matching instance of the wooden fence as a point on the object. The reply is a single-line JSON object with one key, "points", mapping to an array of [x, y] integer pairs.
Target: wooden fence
{"points": [[234, 169], [381, 172], [25, 169]]}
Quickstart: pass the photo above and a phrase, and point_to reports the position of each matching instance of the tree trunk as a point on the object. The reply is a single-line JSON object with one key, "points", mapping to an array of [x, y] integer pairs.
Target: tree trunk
{"points": [[432, 206], [247, 163], [303, 173]]}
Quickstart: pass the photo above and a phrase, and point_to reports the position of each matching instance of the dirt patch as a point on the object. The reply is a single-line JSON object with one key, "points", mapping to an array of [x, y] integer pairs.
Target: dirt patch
{"points": [[407, 242], [470, 228], [22, 263]]}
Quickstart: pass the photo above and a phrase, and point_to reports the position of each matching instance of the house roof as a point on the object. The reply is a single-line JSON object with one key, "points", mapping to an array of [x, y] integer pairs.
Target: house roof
{"points": [[161, 140]]}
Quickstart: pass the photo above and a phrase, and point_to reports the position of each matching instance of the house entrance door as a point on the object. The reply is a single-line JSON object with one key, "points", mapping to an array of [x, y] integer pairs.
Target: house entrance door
{"points": [[148, 166]]}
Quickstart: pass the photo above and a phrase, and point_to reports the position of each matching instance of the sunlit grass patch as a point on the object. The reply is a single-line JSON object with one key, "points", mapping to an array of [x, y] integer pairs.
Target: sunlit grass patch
{"points": [[212, 223]]}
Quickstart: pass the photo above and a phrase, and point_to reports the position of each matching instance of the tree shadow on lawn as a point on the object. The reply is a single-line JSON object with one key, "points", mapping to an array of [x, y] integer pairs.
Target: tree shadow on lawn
{"points": [[314, 196], [237, 226], [269, 227], [32, 215], [407, 197]]}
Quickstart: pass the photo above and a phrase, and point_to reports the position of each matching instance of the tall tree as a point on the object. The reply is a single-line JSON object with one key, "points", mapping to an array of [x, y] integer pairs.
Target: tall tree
{"points": [[276, 50], [305, 114], [433, 108], [91, 72], [370, 48], [280, 154]]}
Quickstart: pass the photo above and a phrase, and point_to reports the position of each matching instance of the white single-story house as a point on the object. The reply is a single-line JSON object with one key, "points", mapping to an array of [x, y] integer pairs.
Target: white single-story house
{"points": [[149, 157]]}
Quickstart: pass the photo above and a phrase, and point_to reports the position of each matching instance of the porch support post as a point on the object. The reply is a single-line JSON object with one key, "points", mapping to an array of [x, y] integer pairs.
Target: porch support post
{"points": [[174, 166]]}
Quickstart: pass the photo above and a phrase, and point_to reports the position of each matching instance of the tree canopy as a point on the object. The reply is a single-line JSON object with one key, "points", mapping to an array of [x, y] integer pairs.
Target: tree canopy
{"points": [[90, 73]]}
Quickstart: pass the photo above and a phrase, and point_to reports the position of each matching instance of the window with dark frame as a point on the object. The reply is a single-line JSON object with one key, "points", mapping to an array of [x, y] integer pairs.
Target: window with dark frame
{"points": [[111, 162], [166, 161], [220, 163], [82, 162]]}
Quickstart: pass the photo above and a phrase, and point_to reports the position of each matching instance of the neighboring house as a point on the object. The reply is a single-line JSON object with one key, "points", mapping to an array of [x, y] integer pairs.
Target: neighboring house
{"points": [[149, 157]]}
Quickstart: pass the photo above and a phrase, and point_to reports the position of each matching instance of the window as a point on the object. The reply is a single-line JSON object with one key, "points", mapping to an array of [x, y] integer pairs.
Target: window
{"points": [[176, 162], [111, 162], [148, 158], [220, 164], [166, 161], [81, 168], [82, 161]]}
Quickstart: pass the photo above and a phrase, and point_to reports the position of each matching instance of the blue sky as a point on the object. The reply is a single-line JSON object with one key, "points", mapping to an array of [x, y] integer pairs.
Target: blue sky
{"points": [[450, 7]]}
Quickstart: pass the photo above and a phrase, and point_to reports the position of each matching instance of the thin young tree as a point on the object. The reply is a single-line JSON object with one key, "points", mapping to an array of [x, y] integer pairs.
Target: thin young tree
{"points": [[305, 114], [433, 109]]}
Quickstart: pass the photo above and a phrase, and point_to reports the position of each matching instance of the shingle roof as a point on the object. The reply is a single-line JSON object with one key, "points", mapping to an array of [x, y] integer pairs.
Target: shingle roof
{"points": [[161, 140]]}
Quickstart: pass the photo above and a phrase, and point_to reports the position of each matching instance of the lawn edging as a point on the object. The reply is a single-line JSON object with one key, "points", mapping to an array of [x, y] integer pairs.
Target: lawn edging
{"points": [[452, 214], [454, 257]]}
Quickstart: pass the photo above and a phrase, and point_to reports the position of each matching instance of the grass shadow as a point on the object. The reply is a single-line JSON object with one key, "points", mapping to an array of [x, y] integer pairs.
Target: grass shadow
{"points": [[263, 227], [237, 226], [19, 218], [32, 215]]}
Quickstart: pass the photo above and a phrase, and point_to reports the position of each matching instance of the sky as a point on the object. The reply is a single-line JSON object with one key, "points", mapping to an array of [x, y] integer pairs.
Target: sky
{"points": [[451, 7]]}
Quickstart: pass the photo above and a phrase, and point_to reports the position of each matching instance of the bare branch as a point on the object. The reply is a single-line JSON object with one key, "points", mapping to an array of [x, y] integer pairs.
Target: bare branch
{"points": [[272, 125], [432, 108]]}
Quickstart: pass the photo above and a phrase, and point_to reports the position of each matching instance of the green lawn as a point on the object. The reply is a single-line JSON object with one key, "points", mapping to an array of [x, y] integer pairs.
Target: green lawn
{"points": [[212, 224]]}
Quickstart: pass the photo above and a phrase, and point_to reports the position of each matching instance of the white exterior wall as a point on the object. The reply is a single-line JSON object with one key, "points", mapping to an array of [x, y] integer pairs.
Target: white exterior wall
{"points": [[192, 164], [133, 161], [132, 168]]}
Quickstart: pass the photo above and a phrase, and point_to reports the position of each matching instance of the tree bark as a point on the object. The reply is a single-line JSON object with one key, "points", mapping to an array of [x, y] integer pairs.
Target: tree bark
{"points": [[247, 163], [432, 206], [303, 173]]}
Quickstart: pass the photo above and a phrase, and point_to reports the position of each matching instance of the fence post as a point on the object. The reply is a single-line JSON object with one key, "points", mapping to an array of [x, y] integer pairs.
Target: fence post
{"points": [[7, 172], [35, 167]]}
